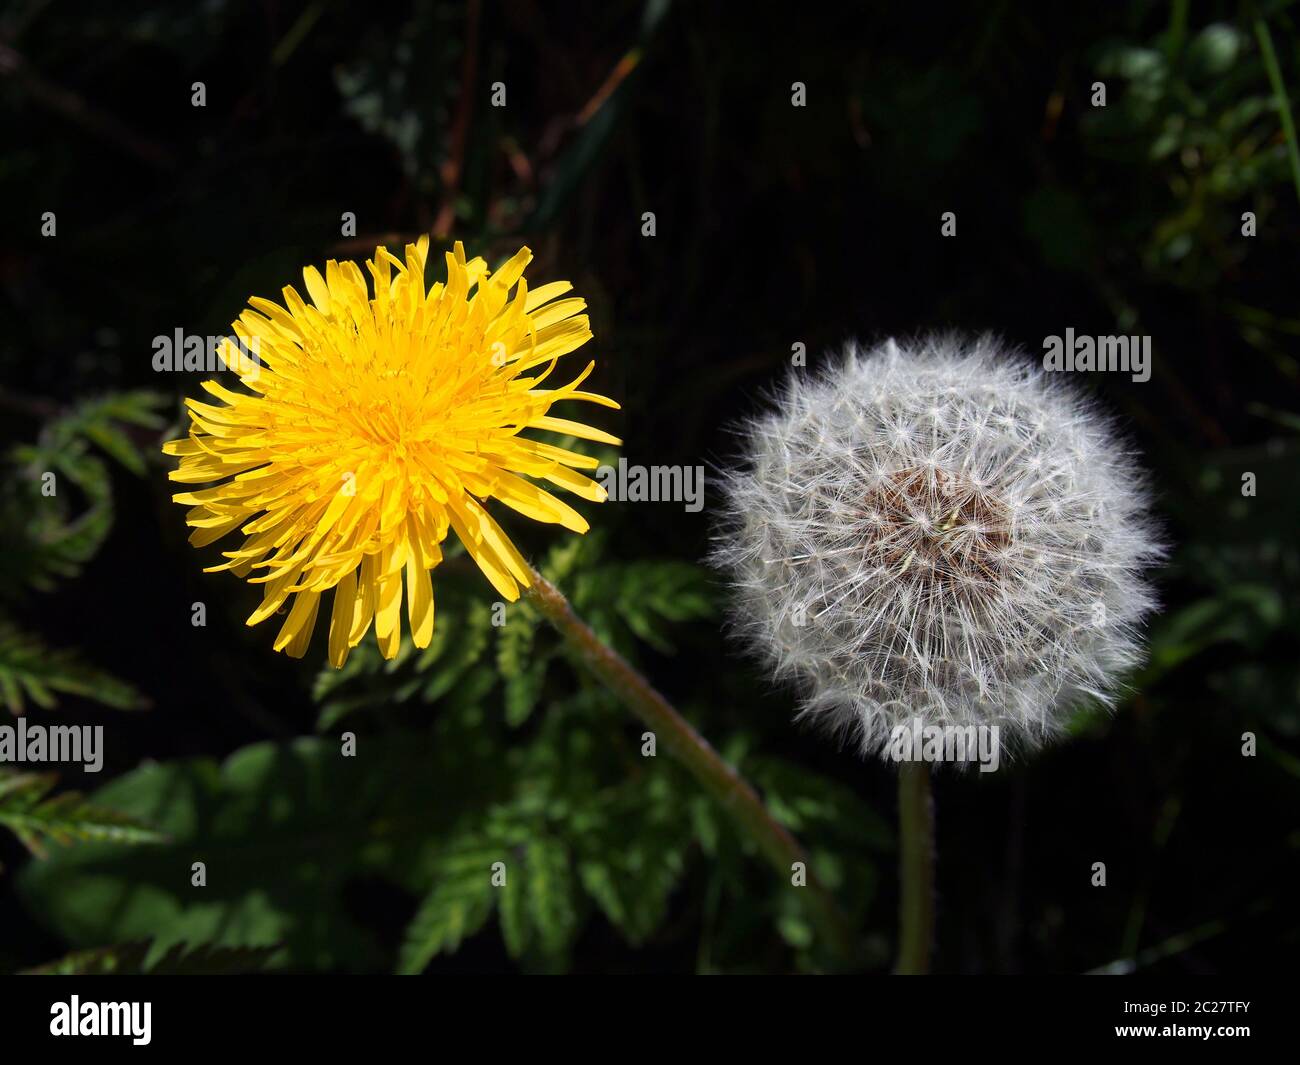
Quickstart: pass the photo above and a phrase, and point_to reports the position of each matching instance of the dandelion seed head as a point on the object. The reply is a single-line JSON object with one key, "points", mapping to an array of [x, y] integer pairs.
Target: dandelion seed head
{"points": [[935, 531]]}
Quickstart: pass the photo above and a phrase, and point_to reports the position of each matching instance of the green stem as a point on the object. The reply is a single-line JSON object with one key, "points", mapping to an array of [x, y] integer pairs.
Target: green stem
{"points": [[1177, 29], [915, 869], [675, 733], [1279, 94]]}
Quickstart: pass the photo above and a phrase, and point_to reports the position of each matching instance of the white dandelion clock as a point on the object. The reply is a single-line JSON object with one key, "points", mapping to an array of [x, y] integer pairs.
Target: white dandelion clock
{"points": [[942, 532]]}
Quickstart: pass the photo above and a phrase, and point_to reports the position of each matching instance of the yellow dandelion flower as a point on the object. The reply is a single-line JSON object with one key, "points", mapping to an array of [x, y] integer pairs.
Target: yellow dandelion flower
{"points": [[372, 425]]}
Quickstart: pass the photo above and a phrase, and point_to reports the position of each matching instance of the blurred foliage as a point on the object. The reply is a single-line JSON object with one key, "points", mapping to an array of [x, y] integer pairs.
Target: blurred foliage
{"points": [[32, 672], [42, 542], [46, 537], [774, 226], [35, 817], [50, 534], [1197, 119], [385, 85], [136, 959]]}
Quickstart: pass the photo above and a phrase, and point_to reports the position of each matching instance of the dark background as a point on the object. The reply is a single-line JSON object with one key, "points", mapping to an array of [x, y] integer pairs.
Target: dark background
{"points": [[774, 225]]}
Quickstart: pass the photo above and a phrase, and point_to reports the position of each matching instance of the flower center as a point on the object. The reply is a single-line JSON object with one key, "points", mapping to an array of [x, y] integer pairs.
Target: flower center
{"points": [[938, 526]]}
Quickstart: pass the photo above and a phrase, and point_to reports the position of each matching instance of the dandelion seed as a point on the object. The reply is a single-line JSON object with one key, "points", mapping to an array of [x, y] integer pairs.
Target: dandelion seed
{"points": [[954, 523], [373, 426]]}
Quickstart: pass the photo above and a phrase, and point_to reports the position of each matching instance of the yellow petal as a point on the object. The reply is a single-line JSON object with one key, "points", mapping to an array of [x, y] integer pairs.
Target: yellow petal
{"points": [[364, 611], [388, 607], [494, 536], [558, 311], [535, 503], [494, 568], [543, 293], [419, 600], [295, 634], [317, 289], [578, 484], [570, 428], [513, 269], [345, 602]]}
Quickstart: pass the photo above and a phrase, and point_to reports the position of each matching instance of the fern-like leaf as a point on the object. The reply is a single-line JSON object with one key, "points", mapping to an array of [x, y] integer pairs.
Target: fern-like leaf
{"points": [[37, 818], [457, 906], [32, 672]]}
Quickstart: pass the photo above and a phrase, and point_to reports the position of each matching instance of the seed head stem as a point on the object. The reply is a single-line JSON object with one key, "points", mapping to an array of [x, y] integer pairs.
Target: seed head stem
{"points": [[915, 868]]}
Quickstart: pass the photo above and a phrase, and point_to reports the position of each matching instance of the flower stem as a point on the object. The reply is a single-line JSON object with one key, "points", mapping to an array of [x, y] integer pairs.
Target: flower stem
{"points": [[915, 869], [675, 733], [1280, 98]]}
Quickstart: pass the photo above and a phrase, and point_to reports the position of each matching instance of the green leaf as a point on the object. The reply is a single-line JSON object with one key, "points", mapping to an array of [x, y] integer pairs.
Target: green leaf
{"points": [[457, 906], [645, 597], [56, 501], [809, 802], [550, 890], [100, 421], [521, 665], [48, 538], [1241, 614], [522, 689], [317, 818], [32, 672], [466, 645], [537, 903], [37, 819], [459, 646], [632, 853], [516, 928]]}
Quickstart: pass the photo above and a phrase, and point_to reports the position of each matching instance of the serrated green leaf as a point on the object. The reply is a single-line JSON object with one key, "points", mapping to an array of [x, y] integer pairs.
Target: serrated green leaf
{"points": [[320, 819], [458, 905], [521, 665], [516, 926], [631, 852], [448, 665], [806, 801], [45, 538], [38, 819], [100, 419], [551, 893], [31, 671]]}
